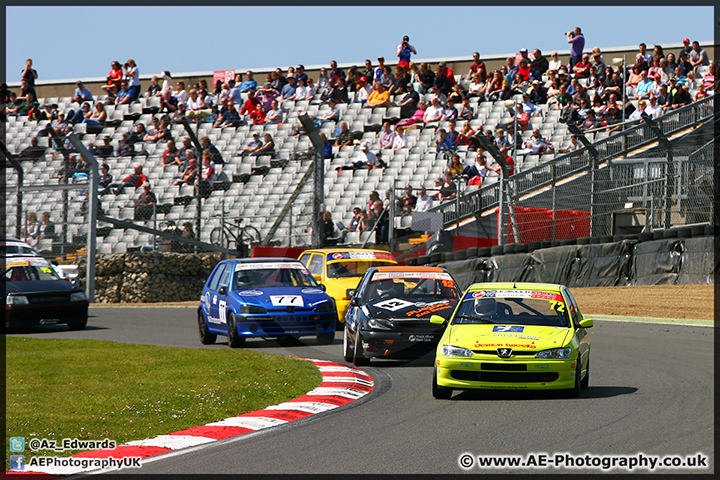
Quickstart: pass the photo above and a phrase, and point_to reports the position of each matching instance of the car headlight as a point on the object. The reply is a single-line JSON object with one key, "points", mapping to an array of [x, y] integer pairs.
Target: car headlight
{"points": [[251, 309], [453, 351], [381, 324], [555, 353], [78, 297], [325, 307], [16, 300]]}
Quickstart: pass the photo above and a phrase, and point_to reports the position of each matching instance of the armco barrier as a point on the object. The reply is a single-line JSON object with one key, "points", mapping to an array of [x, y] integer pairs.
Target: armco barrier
{"points": [[623, 263]]}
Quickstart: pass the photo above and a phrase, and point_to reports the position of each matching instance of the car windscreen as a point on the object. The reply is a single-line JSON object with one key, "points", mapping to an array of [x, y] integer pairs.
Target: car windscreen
{"points": [[514, 307], [17, 249], [251, 276], [417, 286], [28, 273], [353, 268]]}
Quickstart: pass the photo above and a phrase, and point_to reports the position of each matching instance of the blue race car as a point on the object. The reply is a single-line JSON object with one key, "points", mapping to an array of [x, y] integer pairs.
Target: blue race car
{"points": [[264, 297]]}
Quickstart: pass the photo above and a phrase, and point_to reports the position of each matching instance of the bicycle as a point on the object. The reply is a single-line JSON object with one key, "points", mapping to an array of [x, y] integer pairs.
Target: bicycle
{"points": [[225, 235]]}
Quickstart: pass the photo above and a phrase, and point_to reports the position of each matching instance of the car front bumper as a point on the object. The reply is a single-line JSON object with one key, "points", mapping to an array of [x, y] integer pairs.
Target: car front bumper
{"points": [[46, 314], [487, 372], [390, 344], [271, 325]]}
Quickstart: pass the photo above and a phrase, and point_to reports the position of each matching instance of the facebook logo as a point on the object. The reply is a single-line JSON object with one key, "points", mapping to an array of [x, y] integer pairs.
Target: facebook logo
{"points": [[17, 462], [17, 444]]}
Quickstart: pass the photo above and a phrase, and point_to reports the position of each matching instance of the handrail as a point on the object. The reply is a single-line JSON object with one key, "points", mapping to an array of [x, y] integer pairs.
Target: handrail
{"points": [[573, 163]]}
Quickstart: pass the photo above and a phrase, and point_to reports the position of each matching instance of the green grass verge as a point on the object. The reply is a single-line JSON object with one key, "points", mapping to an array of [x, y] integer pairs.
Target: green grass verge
{"points": [[93, 389]]}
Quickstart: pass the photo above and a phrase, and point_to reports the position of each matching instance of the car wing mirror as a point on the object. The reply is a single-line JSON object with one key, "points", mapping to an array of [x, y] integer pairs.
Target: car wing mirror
{"points": [[322, 287], [350, 292], [437, 319], [586, 323], [223, 291], [354, 302]]}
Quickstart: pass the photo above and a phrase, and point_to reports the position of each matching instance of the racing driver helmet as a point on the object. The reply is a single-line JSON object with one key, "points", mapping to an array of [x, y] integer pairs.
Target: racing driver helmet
{"points": [[384, 287], [485, 307]]}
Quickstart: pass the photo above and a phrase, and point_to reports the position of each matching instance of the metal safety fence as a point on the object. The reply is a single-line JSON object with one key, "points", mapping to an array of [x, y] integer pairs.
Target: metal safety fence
{"points": [[581, 193]]}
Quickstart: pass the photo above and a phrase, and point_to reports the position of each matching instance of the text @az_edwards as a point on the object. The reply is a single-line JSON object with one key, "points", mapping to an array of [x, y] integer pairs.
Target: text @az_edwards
{"points": [[584, 461], [65, 444]]}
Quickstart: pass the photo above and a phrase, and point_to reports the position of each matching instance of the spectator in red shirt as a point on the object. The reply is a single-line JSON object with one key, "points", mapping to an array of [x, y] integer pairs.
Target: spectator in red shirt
{"points": [[113, 78], [583, 67]]}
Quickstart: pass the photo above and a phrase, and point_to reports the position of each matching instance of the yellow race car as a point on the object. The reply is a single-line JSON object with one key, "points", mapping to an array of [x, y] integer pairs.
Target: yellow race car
{"points": [[340, 270], [519, 336]]}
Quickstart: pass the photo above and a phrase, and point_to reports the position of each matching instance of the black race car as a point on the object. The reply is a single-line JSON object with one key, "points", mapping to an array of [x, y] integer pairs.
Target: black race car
{"points": [[36, 295], [389, 314]]}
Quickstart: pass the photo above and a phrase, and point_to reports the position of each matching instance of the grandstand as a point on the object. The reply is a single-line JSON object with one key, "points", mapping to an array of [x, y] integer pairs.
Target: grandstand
{"points": [[255, 198]]}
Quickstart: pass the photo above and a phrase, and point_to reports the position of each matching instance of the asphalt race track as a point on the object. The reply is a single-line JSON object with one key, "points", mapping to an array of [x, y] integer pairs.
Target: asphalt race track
{"points": [[651, 391]]}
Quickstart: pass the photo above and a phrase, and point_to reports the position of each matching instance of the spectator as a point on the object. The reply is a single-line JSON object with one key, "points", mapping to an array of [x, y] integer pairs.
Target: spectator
{"points": [[158, 132], [207, 176], [454, 166], [379, 97], [577, 40], [386, 137], [354, 223], [477, 68], [197, 107], [647, 56], [409, 197], [332, 114], [31, 231], [598, 65], [124, 96], [427, 77], [184, 150], [288, 91], [189, 173], [679, 96], [554, 63], [249, 84], [113, 78], [539, 64], [132, 72], [654, 110], [171, 155], [582, 69], [442, 81], [424, 201], [417, 116], [381, 220], [82, 93], [572, 146], [590, 122], [400, 140], [447, 190], [323, 83], [268, 148], [104, 179], [536, 144], [642, 90], [145, 204], [466, 133], [136, 179], [167, 83], [275, 114], [170, 104], [33, 151], [96, 118], [215, 155], [443, 143], [408, 104], [103, 151], [365, 160], [538, 94], [494, 86], [363, 91], [434, 113], [229, 116], [181, 94], [338, 91], [29, 74], [345, 137], [253, 146], [637, 114], [329, 236], [404, 52], [698, 56], [126, 147], [154, 89], [304, 91]]}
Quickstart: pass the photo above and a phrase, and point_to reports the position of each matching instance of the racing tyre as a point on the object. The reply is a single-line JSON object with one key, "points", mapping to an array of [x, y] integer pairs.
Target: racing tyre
{"points": [[206, 338], [441, 393], [347, 349], [359, 358], [77, 323], [234, 340], [325, 338], [586, 381]]}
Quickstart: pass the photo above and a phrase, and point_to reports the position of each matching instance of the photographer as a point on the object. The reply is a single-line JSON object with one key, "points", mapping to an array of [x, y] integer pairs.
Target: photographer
{"points": [[577, 40], [404, 51], [132, 74]]}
